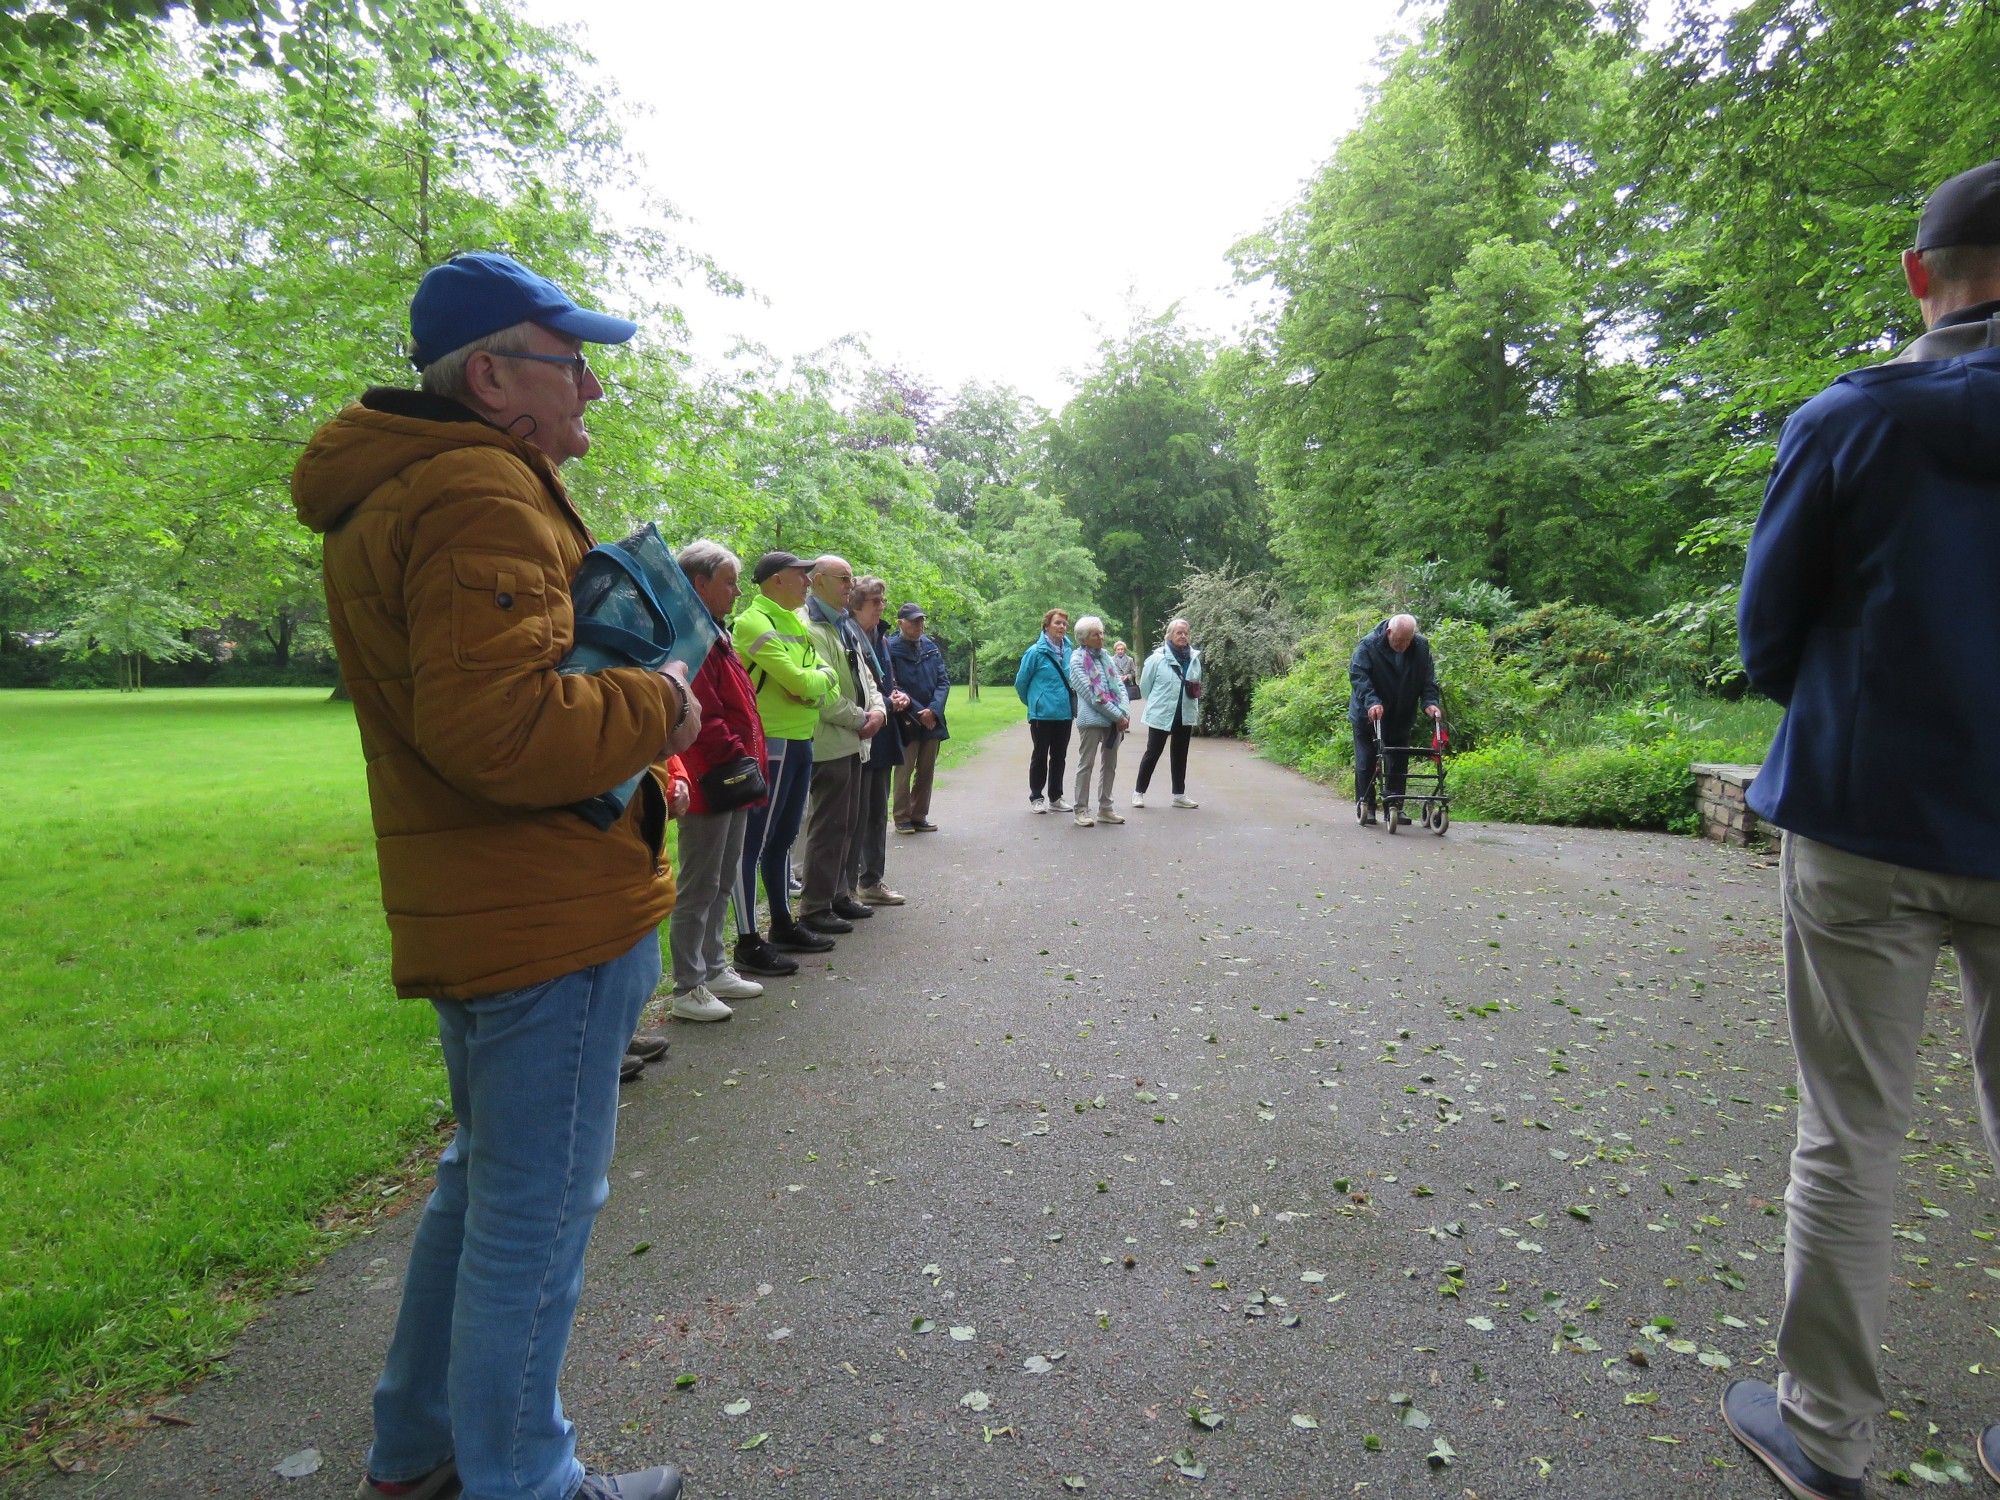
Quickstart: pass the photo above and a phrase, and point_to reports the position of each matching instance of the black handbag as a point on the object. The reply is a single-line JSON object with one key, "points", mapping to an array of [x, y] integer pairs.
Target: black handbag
{"points": [[733, 784]]}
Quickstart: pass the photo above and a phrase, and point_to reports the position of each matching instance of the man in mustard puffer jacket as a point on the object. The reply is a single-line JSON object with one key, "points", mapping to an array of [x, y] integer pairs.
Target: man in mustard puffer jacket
{"points": [[449, 546]]}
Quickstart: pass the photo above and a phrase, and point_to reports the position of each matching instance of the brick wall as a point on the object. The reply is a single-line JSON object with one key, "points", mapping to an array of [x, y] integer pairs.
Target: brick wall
{"points": [[1719, 794]]}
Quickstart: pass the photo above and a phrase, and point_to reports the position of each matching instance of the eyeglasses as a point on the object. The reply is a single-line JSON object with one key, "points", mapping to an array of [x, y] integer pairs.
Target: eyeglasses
{"points": [[579, 367]]}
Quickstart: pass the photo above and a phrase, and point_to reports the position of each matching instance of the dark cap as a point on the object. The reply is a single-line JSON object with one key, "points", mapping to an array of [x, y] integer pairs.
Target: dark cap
{"points": [[911, 612], [775, 562], [1965, 210], [470, 296]]}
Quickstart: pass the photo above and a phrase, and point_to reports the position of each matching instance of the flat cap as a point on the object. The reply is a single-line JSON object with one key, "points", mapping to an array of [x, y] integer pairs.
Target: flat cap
{"points": [[1965, 210], [775, 562]]}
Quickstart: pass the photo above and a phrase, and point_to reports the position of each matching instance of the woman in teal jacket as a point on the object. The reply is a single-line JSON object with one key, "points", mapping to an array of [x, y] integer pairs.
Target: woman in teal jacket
{"points": [[1043, 684], [1170, 682]]}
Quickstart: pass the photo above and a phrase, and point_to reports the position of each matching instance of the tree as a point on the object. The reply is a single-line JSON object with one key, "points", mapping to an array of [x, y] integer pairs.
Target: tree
{"points": [[1145, 458], [131, 620], [1246, 634], [980, 441], [1043, 565]]}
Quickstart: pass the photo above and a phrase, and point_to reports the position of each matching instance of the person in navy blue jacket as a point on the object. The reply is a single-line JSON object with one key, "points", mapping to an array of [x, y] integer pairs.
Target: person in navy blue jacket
{"points": [[920, 672], [1871, 611]]}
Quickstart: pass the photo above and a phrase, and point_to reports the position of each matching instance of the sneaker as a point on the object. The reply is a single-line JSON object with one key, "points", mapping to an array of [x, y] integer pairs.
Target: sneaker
{"points": [[799, 938], [852, 910], [1038, 804], [663, 1483], [906, 828], [648, 1046], [1750, 1407], [796, 886], [825, 924], [1056, 804], [924, 825], [730, 985], [759, 957], [1085, 820], [1138, 799], [1185, 802], [699, 1004], [1106, 815], [440, 1482], [879, 894]]}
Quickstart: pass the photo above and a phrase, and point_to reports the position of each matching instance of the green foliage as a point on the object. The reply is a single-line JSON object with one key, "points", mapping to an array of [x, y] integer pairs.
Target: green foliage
{"points": [[1646, 785], [129, 619], [1043, 564], [1578, 648], [1145, 457], [1246, 635]]}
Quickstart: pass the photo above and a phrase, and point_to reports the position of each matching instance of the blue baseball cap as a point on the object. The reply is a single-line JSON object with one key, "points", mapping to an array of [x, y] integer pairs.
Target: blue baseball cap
{"points": [[470, 296]]}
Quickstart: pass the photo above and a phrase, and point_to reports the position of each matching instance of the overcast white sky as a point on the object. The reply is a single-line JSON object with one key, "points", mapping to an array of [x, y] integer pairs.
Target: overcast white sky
{"points": [[974, 187]]}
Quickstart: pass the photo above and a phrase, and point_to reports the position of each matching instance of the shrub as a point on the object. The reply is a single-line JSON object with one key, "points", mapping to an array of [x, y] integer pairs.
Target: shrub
{"points": [[1579, 648], [1246, 636], [1645, 785]]}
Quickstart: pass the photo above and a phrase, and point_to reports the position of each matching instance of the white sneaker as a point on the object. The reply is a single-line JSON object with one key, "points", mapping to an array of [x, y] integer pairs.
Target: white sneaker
{"points": [[1138, 799], [700, 1004], [1106, 815], [1056, 804], [1085, 820], [879, 894], [730, 985], [1038, 804], [1186, 802]]}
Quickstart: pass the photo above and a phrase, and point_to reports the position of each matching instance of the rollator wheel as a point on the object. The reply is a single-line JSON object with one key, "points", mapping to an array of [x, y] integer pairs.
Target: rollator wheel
{"points": [[1440, 819], [1392, 815], [1360, 810]]}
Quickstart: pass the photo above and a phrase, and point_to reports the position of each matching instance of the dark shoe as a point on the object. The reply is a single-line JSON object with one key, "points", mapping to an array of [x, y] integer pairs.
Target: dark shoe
{"points": [[799, 939], [630, 1066], [924, 825], [755, 956], [826, 923], [663, 1483], [647, 1046], [1750, 1407], [854, 911], [1989, 1450], [440, 1484], [906, 828]]}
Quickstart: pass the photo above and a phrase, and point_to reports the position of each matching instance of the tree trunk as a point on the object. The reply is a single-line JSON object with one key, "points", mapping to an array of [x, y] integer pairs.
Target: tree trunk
{"points": [[340, 693], [1138, 628], [972, 674], [281, 643]]}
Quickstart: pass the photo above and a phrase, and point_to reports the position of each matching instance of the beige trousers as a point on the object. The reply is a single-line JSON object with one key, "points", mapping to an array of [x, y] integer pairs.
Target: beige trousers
{"points": [[1096, 751], [1861, 944]]}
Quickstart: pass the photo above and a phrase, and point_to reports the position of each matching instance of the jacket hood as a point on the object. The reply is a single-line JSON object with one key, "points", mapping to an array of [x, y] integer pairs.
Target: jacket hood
{"points": [[1951, 407], [381, 435]]}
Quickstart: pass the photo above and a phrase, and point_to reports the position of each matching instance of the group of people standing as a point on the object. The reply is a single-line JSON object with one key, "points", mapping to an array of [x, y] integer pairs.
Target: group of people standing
{"points": [[1081, 688], [838, 717]]}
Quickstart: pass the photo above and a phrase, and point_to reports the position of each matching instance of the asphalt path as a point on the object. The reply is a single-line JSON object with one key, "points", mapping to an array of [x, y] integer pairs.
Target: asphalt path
{"points": [[1239, 1141]]}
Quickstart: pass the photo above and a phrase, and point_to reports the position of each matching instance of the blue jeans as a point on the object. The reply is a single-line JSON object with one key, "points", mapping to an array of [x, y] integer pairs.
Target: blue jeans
{"points": [[497, 1265], [774, 827]]}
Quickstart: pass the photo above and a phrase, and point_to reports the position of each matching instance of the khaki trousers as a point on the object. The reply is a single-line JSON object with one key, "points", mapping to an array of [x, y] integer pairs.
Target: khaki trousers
{"points": [[832, 826], [1861, 943], [1092, 746], [913, 782]]}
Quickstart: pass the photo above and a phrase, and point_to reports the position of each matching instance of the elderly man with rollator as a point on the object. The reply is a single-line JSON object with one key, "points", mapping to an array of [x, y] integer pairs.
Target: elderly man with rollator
{"points": [[1392, 676]]}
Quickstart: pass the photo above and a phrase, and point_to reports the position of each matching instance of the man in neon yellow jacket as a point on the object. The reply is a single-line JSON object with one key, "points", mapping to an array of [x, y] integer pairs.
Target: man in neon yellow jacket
{"points": [[791, 682]]}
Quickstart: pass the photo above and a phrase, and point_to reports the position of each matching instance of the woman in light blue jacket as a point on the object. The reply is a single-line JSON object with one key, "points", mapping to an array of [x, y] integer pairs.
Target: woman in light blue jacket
{"points": [[1170, 682], [1043, 684], [1102, 716]]}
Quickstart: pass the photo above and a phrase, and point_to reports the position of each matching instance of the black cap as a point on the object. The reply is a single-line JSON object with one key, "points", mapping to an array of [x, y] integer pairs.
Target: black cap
{"points": [[911, 612], [1965, 210], [775, 562]]}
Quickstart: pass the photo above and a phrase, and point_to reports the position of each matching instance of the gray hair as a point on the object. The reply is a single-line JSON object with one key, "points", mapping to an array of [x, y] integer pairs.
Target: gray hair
{"points": [[1398, 620], [866, 587], [1087, 624], [1962, 265], [445, 375], [702, 558]]}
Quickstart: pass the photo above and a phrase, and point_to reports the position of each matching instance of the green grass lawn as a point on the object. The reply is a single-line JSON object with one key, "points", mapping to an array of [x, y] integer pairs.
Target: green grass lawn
{"points": [[972, 722], [203, 1051]]}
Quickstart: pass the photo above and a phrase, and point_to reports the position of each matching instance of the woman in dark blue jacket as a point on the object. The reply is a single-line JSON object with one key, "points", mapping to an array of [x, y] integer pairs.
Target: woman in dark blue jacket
{"points": [[1043, 684]]}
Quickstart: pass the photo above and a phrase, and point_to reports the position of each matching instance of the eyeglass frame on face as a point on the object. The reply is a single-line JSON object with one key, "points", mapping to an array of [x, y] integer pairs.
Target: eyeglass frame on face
{"points": [[579, 367]]}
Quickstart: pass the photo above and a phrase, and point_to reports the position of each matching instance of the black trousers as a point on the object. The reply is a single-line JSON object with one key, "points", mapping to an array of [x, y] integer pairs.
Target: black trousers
{"points": [[1156, 741], [1050, 755], [1396, 773]]}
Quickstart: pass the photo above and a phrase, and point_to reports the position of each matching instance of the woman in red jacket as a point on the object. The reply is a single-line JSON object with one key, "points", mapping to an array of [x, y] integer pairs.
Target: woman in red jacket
{"points": [[711, 840]]}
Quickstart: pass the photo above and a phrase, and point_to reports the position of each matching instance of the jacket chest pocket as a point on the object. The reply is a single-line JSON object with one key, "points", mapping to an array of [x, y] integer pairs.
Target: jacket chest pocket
{"points": [[499, 610]]}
